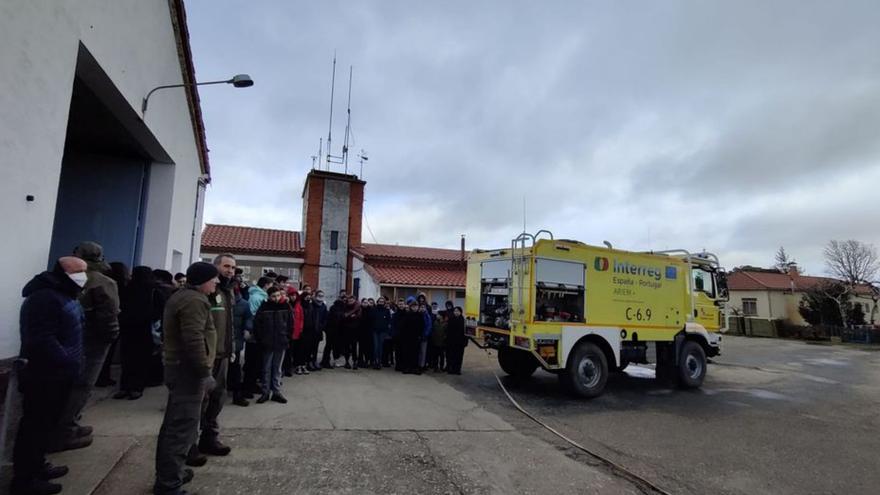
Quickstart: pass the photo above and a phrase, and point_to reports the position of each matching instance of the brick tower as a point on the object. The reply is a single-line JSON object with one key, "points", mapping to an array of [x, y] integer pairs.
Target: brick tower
{"points": [[333, 206]]}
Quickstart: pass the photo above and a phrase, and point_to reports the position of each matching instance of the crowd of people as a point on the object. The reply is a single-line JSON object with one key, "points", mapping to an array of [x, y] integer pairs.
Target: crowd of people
{"points": [[201, 333]]}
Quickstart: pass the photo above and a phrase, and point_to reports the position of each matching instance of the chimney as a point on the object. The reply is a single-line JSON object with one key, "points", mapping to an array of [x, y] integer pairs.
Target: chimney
{"points": [[793, 270], [462, 249]]}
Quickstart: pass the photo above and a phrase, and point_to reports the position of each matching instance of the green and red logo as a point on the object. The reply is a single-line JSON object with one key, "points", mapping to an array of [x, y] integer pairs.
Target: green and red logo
{"points": [[600, 264]]}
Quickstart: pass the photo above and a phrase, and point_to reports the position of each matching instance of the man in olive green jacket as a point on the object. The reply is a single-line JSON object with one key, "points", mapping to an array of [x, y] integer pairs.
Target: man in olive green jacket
{"points": [[189, 350], [222, 302]]}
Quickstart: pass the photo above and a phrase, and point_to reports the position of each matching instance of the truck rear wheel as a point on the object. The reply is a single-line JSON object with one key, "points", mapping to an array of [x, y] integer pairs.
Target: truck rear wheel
{"points": [[691, 365], [586, 371], [517, 363]]}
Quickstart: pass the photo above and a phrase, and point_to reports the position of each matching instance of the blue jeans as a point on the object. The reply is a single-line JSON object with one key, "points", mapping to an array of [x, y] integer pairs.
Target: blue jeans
{"points": [[378, 342], [272, 360]]}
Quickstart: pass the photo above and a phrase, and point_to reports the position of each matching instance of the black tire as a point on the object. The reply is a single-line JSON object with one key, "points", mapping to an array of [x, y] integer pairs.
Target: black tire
{"points": [[691, 365], [586, 371], [517, 363]]}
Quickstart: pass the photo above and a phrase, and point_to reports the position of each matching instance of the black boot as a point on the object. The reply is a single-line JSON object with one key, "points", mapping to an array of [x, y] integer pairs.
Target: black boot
{"points": [[195, 458], [33, 487]]}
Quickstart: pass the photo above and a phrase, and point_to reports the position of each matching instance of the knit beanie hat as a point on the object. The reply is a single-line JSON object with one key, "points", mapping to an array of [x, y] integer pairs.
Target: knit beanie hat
{"points": [[410, 300], [89, 251], [200, 272]]}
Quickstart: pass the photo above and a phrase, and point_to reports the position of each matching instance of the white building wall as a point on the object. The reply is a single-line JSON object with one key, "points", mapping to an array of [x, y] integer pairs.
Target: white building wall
{"points": [[369, 286], [134, 42]]}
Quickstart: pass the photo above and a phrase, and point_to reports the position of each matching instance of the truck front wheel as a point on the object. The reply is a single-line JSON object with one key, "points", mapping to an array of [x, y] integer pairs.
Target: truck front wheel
{"points": [[586, 371], [691, 365], [516, 363]]}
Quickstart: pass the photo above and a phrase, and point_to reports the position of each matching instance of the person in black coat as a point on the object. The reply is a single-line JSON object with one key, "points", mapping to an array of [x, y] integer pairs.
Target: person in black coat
{"points": [[351, 326], [411, 332], [319, 319], [336, 345], [141, 304], [365, 333], [456, 341], [51, 358], [272, 325]]}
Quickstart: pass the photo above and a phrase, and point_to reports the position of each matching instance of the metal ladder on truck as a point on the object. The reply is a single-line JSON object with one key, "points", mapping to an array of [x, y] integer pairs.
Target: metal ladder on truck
{"points": [[519, 269]]}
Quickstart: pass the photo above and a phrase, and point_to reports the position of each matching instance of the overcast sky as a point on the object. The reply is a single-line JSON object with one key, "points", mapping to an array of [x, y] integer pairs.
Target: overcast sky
{"points": [[735, 128]]}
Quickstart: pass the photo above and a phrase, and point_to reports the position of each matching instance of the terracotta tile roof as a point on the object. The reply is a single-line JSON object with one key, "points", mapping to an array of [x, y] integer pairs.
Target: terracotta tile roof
{"points": [[417, 276], [388, 252], [754, 280], [251, 240]]}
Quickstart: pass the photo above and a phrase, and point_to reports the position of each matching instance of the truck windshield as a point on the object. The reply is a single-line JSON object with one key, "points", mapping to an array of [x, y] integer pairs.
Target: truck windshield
{"points": [[704, 282]]}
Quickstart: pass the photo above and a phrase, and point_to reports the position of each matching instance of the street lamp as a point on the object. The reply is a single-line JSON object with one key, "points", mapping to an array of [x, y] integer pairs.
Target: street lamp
{"points": [[239, 81]]}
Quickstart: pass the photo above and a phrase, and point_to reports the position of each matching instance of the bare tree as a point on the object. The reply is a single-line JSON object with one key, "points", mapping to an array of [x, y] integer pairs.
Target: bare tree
{"points": [[852, 261], [784, 262]]}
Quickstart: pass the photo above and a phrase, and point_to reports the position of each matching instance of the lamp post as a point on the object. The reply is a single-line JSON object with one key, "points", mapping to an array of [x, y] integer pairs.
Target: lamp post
{"points": [[239, 81]]}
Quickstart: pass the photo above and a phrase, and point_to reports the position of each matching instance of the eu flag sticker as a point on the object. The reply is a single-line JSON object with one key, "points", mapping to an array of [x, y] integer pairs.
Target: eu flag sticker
{"points": [[671, 272]]}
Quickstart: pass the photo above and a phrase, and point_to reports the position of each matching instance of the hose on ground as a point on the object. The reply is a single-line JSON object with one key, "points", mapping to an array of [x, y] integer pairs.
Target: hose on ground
{"points": [[643, 484]]}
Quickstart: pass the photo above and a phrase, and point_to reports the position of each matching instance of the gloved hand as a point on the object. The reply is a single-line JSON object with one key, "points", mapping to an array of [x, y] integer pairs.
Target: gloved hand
{"points": [[208, 383]]}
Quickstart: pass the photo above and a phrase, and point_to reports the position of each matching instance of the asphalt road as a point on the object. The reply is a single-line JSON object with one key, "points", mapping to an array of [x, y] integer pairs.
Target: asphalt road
{"points": [[773, 416]]}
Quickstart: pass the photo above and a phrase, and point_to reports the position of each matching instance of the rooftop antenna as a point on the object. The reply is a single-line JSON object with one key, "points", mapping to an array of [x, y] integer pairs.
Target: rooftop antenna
{"points": [[316, 158], [332, 94], [364, 158], [524, 213], [348, 123]]}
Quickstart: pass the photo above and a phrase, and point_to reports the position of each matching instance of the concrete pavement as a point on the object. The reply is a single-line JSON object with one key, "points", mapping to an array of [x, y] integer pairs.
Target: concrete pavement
{"points": [[342, 432]]}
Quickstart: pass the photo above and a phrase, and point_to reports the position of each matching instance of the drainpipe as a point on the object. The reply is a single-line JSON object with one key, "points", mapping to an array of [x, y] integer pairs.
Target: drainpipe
{"points": [[201, 183]]}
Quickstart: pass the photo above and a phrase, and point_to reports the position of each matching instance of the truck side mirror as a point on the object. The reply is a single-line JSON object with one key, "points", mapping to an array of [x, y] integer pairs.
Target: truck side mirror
{"points": [[721, 283]]}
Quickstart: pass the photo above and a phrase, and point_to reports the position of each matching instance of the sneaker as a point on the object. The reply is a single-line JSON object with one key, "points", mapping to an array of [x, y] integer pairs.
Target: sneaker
{"points": [[122, 394], [303, 370], [239, 400], [33, 487], [195, 458], [188, 476], [214, 447], [135, 395], [70, 444], [50, 472], [277, 397], [263, 398]]}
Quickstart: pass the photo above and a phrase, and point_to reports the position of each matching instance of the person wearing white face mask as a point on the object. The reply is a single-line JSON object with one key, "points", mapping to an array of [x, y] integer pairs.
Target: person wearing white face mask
{"points": [[100, 303], [50, 360]]}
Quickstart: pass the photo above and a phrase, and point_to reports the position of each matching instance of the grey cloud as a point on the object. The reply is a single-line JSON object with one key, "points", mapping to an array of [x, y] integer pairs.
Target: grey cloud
{"points": [[649, 124]]}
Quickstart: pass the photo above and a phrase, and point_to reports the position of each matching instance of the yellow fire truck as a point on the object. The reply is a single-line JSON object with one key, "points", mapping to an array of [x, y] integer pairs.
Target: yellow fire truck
{"points": [[581, 311]]}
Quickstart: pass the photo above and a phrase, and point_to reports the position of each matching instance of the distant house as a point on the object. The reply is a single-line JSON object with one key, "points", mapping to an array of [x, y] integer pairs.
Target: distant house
{"points": [[772, 295], [402, 271], [257, 251]]}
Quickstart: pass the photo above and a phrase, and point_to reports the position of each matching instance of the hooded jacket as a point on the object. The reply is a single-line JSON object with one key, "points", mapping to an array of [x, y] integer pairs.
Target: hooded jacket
{"points": [[51, 327], [296, 325], [256, 297], [272, 325]]}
